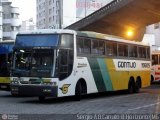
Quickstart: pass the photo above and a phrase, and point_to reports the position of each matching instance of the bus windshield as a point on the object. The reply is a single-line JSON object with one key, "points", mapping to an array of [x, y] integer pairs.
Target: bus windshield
{"points": [[34, 63], [47, 40], [5, 59]]}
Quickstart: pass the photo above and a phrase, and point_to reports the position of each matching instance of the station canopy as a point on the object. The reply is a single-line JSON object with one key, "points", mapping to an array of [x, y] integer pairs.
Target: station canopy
{"points": [[125, 18]]}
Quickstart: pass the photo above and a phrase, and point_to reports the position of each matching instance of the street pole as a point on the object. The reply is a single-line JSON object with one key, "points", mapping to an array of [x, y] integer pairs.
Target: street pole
{"points": [[60, 14], [85, 9]]}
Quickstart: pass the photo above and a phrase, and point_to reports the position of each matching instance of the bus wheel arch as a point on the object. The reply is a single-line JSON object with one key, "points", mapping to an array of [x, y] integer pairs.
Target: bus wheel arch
{"points": [[80, 89], [131, 85]]}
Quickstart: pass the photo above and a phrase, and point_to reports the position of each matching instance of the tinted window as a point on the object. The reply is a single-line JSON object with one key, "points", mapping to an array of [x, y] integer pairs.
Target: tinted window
{"points": [[132, 51], [148, 53], [79, 45], [98, 47], [95, 47], [101, 47], [47, 40], [87, 46], [122, 50], [142, 52], [111, 48], [83, 45], [67, 40]]}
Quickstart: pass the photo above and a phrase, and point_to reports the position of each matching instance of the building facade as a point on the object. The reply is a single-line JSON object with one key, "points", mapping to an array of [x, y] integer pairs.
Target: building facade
{"points": [[47, 14], [154, 29], [10, 20], [1, 35], [86, 7], [28, 25]]}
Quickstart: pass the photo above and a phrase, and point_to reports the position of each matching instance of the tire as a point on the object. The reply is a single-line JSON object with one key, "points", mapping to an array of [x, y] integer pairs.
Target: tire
{"points": [[41, 98], [78, 91], [131, 87], [137, 87]]}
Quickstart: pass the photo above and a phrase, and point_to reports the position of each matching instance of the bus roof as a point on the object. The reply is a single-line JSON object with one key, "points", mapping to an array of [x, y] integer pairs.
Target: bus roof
{"points": [[47, 31], [7, 41], [108, 37], [82, 33]]}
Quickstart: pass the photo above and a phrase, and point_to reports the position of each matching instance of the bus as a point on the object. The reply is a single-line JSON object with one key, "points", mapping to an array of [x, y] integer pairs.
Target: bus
{"points": [[155, 68], [6, 49], [59, 63]]}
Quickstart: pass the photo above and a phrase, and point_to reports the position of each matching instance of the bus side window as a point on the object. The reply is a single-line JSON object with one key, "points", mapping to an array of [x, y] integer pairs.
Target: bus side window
{"points": [[101, 48], [87, 46], [123, 50], [141, 52], [79, 45], [132, 51], [111, 48], [94, 46], [148, 53], [65, 63]]}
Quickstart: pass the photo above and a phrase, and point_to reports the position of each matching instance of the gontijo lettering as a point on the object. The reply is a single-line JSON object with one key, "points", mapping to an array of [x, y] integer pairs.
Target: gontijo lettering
{"points": [[122, 64]]}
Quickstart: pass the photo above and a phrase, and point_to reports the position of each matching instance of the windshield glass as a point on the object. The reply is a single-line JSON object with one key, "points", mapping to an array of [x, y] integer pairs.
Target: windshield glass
{"points": [[37, 40], [33, 63]]}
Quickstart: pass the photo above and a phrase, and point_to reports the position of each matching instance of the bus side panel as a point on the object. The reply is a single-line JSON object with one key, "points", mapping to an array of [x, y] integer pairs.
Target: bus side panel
{"points": [[119, 78], [81, 70], [145, 77], [97, 74], [4, 82], [108, 78], [105, 75]]}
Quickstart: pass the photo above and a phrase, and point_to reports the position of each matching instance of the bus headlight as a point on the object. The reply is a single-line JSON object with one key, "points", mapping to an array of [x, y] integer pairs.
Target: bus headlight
{"points": [[14, 82]]}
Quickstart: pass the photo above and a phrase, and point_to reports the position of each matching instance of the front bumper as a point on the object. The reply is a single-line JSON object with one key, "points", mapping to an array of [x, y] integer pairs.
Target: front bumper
{"points": [[34, 90]]}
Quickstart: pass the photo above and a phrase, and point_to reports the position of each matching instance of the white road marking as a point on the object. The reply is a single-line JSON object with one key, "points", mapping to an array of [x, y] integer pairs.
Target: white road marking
{"points": [[158, 107], [117, 97], [145, 106]]}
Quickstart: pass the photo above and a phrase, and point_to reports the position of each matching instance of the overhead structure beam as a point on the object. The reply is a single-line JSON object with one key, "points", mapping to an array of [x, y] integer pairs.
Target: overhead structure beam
{"points": [[119, 16]]}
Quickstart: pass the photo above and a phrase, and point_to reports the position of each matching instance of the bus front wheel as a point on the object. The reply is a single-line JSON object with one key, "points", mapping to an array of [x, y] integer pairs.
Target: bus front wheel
{"points": [[78, 92], [81, 89]]}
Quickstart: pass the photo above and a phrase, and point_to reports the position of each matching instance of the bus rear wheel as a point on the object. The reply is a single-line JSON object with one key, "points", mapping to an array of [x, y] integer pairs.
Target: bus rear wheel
{"points": [[131, 86], [137, 86]]}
